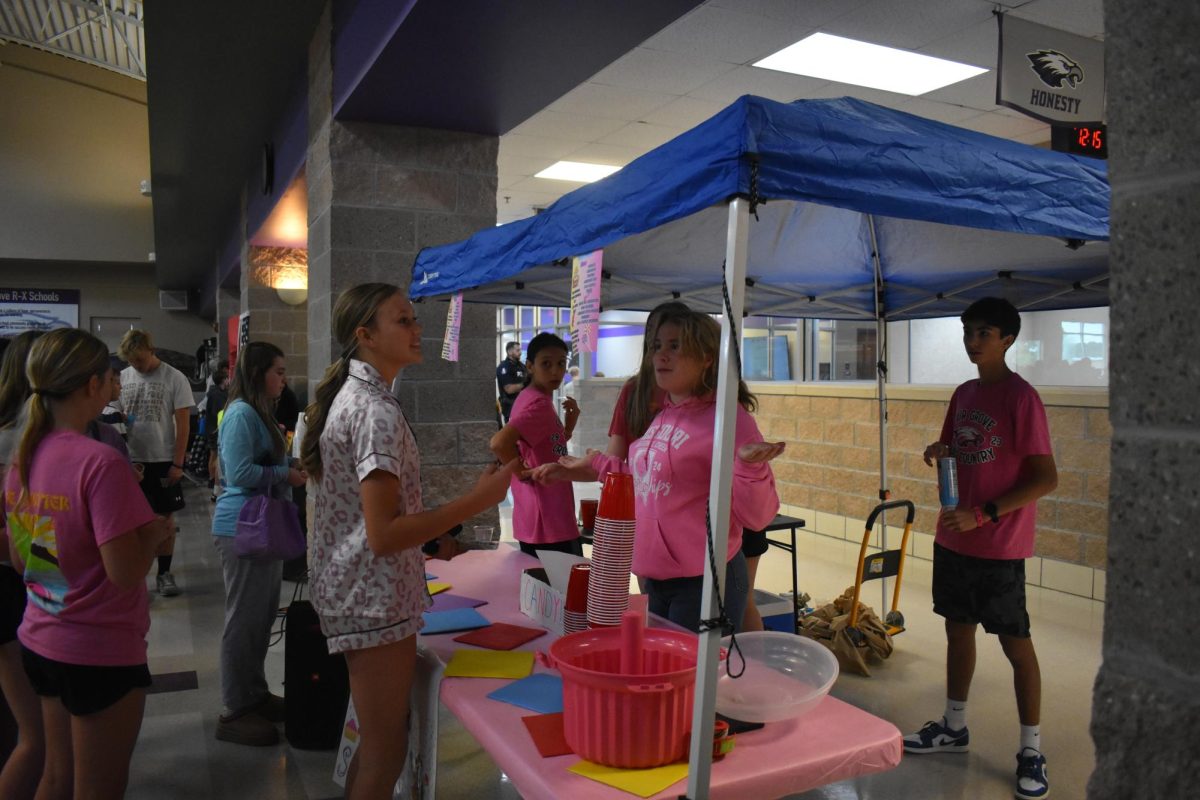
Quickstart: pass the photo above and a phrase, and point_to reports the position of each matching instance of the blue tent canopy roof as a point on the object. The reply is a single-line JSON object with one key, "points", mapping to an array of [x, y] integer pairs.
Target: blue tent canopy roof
{"points": [[953, 211]]}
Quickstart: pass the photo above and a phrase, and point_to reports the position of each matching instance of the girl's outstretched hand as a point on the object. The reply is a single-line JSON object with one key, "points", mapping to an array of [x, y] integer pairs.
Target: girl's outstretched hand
{"points": [[760, 452], [547, 474], [493, 484]]}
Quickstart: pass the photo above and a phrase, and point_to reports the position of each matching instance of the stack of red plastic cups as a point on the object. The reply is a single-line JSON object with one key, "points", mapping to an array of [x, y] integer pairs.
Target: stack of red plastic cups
{"points": [[612, 553], [575, 608]]}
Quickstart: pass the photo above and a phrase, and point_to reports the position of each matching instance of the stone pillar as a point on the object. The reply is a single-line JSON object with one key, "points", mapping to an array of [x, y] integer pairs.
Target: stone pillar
{"points": [[271, 319], [1146, 711], [377, 195]]}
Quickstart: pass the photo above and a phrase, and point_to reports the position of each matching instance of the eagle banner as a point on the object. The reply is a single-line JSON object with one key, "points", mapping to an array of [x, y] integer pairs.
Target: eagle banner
{"points": [[1049, 74]]}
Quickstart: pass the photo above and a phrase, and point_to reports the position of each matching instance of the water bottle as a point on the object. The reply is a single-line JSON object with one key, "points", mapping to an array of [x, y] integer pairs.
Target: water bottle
{"points": [[948, 482]]}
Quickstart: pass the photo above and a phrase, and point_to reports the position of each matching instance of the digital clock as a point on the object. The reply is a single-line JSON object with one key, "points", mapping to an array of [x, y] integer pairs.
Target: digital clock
{"points": [[1082, 140]]}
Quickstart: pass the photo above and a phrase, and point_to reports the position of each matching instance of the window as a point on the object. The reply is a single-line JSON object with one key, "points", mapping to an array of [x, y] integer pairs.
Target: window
{"points": [[1082, 340]]}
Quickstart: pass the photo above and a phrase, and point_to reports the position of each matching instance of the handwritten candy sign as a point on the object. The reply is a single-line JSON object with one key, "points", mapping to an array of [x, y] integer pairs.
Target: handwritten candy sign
{"points": [[585, 301], [453, 328]]}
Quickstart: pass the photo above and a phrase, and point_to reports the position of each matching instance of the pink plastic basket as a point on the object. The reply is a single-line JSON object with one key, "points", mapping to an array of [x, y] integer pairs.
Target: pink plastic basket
{"points": [[627, 721]]}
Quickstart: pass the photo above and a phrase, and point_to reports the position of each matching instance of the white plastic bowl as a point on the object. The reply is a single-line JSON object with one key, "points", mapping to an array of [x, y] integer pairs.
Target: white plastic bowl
{"points": [[786, 675]]}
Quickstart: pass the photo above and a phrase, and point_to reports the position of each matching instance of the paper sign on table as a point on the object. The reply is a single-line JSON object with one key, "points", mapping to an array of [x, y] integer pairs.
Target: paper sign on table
{"points": [[449, 602], [435, 587], [459, 619], [558, 567], [542, 693], [489, 664], [546, 730], [642, 782], [500, 636]]}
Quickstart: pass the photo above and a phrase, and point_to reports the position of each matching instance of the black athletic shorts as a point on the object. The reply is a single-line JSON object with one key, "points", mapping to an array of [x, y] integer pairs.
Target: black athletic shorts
{"points": [[573, 547], [163, 499], [83, 689], [754, 543], [985, 591], [12, 603]]}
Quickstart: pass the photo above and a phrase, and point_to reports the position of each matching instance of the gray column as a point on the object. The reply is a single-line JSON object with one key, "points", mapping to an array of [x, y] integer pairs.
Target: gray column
{"points": [[377, 195], [1146, 713]]}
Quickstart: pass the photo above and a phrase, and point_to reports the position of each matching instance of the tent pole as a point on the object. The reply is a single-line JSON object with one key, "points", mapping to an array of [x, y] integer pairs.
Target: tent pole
{"points": [[881, 390], [719, 503]]}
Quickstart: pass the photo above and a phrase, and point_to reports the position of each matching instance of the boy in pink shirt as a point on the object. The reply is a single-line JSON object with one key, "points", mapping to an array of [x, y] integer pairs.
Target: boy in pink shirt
{"points": [[996, 430]]}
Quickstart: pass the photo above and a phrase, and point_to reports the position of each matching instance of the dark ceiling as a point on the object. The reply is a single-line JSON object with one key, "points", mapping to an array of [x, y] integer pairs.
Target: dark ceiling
{"points": [[218, 84]]}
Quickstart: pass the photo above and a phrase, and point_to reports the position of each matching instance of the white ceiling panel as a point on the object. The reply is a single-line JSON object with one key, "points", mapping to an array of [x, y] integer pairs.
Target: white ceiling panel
{"points": [[560, 125], [768, 83], [809, 13], [978, 92], [726, 34], [977, 44], [641, 135], [661, 71], [907, 24], [1004, 126], [597, 153], [613, 102], [515, 144], [941, 112], [1082, 17], [684, 112]]}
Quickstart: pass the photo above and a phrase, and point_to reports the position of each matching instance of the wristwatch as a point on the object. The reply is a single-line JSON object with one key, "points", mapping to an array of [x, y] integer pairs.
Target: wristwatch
{"points": [[990, 510]]}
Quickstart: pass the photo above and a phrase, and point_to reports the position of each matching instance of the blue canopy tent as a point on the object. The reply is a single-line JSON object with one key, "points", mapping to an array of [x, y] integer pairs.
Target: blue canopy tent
{"points": [[825, 208]]}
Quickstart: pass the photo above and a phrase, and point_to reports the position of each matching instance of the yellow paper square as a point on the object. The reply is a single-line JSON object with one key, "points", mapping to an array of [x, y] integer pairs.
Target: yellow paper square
{"points": [[642, 782], [490, 664], [437, 586]]}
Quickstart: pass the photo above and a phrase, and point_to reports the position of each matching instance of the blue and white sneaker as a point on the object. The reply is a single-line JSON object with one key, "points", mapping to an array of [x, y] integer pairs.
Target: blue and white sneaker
{"points": [[935, 737], [1031, 775]]}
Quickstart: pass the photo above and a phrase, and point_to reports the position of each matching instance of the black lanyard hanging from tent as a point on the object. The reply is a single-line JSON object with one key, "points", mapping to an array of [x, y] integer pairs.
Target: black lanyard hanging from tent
{"points": [[721, 619]]}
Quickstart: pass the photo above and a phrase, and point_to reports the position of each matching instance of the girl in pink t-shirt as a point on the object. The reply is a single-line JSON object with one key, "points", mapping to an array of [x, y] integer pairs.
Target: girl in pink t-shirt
{"points": [[671, 465], [82, 535], [543, 515]]}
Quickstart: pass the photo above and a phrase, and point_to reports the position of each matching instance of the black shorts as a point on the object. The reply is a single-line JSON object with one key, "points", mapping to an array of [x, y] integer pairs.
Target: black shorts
{"points": [[754, 543], [12, 603], [573, 547], [82, 689], [163, 499], [985, 591]]}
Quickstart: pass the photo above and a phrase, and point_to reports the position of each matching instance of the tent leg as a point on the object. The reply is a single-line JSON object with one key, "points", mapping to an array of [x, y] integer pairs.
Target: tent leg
{"points": [[725, 425], [881, 389]]}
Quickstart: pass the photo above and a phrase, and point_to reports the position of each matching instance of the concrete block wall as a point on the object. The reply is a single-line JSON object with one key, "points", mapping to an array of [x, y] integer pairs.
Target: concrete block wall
{"points": [[271, 319], [1146, 709]]}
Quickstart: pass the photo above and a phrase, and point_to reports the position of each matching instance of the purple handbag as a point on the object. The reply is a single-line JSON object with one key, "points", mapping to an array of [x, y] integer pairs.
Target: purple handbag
{"points": [[268, 528]]}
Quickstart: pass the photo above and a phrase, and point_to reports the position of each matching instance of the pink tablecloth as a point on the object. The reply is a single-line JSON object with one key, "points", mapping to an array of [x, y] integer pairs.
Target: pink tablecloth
{"points": [[833, 742]]}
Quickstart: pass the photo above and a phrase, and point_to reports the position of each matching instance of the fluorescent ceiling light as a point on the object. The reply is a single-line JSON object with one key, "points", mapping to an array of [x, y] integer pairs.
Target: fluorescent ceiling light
{"points": [[844, 60], [576, 171]]}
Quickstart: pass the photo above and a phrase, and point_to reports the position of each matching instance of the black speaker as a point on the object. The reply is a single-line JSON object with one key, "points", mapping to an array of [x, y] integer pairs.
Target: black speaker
{"points": [[316, 685]]}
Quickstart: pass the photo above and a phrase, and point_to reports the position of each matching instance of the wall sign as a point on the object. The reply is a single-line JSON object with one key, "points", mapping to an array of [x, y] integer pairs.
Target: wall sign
{"points": [[37, 310], [1049, 74]]}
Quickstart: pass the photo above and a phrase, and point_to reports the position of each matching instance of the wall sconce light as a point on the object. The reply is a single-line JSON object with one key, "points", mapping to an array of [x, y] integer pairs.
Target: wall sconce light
{"points": [[291, 284]]}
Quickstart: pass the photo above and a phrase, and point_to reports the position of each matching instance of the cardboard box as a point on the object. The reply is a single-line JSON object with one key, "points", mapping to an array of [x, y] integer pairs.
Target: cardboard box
{"points": [[541, 603]]}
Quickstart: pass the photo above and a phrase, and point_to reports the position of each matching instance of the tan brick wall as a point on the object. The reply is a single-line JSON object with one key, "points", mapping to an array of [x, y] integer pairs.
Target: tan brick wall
{"points": [[832, 462]]}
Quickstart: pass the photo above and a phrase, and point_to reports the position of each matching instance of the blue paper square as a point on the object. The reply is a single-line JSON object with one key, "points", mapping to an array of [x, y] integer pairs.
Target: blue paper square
{"points": [[459, 619], [541, 693]]}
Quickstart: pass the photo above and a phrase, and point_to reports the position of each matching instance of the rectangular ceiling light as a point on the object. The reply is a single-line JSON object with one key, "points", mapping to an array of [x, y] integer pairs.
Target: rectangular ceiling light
{"points": [[844, 60], [576, 171]]}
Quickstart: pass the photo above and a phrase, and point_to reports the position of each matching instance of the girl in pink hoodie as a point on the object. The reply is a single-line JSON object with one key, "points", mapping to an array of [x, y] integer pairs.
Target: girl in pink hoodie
{"points": [[671, 465]]}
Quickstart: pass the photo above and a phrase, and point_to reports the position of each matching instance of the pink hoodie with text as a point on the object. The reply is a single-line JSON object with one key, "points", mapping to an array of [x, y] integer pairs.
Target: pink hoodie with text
{"points": [[671, 466]]}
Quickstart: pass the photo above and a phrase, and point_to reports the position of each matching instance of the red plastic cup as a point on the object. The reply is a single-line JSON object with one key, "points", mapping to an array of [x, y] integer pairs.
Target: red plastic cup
{"points": [[577, 588], [616, 498], [587, 513]]}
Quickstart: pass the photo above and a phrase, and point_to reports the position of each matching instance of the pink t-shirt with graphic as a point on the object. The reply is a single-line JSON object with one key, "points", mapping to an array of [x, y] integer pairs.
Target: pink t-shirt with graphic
{"points": [[991, 429], [671, 467], [541, 514], [82, 495]]}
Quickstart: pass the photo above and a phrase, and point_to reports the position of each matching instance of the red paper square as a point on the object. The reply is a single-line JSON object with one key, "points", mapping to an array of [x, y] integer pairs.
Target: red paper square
{"points": [[547, 733], [500, 636]]}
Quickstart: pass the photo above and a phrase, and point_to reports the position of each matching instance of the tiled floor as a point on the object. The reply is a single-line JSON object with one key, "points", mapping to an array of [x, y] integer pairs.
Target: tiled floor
{"points": [[178, 758]]}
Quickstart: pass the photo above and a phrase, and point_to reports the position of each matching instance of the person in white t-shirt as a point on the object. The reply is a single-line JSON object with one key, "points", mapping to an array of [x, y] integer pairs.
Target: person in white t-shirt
{"points": [[157, 401]]}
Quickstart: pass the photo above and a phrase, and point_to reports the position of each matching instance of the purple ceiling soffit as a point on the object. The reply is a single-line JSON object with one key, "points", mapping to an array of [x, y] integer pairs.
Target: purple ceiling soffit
{"points": [[361, 31], [485, 67], [289, 138]]}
